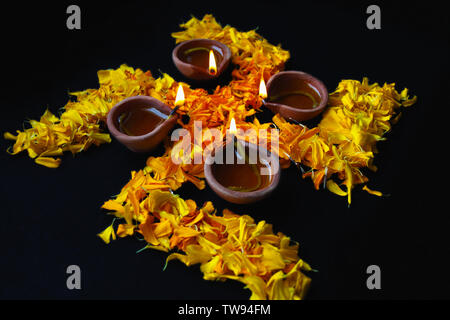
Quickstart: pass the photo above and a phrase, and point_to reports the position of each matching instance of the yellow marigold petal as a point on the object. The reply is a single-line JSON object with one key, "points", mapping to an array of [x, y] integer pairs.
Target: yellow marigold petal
{"points": [[409, 102], [257, 286], [233, 261], [208, 207], [73, 116], [146, 229], [197, 219], [209, 267], [192, 206], [104, 76], [194, 254], [271, 258], [333, 187], [114, 206], [157, 198], [107, 234], [163, 228], [31, 153], [349, 183], [101, 137], [185, 232], [49, 118], [9, 136], [48, 162], [373, 192], [52, 152], [278, 288], [134, 202], [124, 230]]}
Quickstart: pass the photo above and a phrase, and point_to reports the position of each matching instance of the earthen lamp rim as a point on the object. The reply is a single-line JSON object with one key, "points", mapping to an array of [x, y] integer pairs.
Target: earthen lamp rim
{"points": [[310, 79], [210, 44], [148, 141], [250, 196]]}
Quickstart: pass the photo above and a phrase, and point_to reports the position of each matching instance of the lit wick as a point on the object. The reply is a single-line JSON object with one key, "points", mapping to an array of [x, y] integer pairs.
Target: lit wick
{"points": [[242, 155], [212, 63], [179, 100], [262, 89], [233, 130], [236, 143]]}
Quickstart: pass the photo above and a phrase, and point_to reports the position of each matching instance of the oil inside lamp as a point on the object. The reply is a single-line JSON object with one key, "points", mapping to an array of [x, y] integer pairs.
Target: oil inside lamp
{"points": [[304, 99], [201, 59], [296, 95], [303, 96], [204, 58], [140, 121], [241, 174]]}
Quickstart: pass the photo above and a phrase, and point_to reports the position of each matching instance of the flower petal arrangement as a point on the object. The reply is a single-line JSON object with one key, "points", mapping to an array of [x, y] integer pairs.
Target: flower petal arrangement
{"points": [[226, 245]]}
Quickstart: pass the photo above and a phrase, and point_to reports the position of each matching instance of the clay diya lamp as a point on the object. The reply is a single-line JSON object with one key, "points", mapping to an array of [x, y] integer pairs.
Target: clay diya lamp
{"points": [[296, 95], [141, 122], [201, 59], [242, 181]]}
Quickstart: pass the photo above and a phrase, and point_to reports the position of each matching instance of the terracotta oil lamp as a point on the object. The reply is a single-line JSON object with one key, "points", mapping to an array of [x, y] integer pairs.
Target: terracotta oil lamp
{"points": [[142, 122], [201, 59], [295, 95], [242, 181]]}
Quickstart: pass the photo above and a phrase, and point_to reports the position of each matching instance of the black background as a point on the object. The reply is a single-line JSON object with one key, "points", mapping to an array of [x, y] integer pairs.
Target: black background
{"points": [[50, 217]]}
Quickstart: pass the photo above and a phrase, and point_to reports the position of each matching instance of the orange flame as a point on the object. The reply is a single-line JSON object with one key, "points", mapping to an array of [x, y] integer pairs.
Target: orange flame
{"points": [[179, 100], [212, 63], [233, 128], [262, 89]]}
